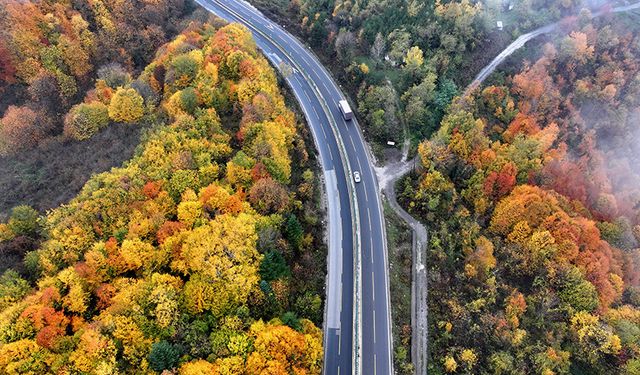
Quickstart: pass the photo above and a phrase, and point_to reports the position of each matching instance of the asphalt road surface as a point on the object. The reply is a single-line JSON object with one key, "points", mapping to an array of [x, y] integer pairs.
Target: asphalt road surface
{"points": [[318, 96]]}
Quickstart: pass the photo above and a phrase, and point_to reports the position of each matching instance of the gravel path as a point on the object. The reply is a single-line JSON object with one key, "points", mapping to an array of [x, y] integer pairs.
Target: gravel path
{"points": [[388, 176]]}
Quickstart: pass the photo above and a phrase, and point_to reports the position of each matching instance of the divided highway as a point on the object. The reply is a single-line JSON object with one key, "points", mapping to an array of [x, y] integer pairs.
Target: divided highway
{"points": [[358, 282]]}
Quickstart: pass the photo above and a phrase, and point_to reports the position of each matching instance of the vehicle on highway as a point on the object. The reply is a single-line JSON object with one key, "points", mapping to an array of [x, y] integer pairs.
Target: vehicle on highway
{"points": [[356, 176], [347, 113]]}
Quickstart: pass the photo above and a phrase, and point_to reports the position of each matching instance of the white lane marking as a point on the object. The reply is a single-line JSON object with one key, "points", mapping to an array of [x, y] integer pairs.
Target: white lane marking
{"points": [[307, 95], [330, 152], [371, 248], [339, 342], [369, 216], [374, 328], [373, 293], [316, 112], [366, 196], [375, 362], [352, 144]]}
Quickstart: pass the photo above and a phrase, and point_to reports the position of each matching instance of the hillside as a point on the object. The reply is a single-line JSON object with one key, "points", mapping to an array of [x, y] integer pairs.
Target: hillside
{"points": [[199, 253], [529, 189], [51, 54]]}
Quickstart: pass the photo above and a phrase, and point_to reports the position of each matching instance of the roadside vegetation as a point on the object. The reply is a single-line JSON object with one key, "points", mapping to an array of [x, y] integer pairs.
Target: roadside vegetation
{"points": [[529, 189], [403, 61], [200, 254], [399, 238]]}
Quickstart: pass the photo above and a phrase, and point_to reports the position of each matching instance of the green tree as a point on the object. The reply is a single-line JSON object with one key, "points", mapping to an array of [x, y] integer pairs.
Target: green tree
{"points": [[12, 288], [24, 221], [577, 292], [163, 356], [293, 231], [86, 119], [273, 266]]}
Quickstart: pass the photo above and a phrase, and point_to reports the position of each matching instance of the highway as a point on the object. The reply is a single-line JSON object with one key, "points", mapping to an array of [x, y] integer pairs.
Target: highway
{"points": [[355, 219]]}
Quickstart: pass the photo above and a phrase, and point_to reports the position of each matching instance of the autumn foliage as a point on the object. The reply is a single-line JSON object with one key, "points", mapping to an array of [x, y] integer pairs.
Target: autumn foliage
{"points": [[531, 195], [52, 51], [158, 265]]}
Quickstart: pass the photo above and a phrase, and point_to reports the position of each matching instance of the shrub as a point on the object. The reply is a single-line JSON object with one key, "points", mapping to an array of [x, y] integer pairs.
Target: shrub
{"points": [[12, 288], [86, 119], [291, 319], [21, 127], [114, 75], [273, 266], [23, 221], [184, 69]]}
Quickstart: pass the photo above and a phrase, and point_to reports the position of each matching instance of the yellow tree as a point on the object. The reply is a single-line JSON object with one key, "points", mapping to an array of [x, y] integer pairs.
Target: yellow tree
{"points": [[126, 106], [281, 350], [223, 261], [197, 367]]}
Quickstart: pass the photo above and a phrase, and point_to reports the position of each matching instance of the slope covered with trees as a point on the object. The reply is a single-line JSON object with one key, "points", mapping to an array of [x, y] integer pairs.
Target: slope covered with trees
{"points": [[51, 52], [530, 189], [197, 255], [404, 60]]}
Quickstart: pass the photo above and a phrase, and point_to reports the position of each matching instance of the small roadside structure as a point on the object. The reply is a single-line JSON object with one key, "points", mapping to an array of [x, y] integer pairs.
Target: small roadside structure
{"points": [[500, 25]]}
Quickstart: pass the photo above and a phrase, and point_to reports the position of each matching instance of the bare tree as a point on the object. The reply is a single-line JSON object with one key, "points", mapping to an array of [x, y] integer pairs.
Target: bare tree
{"points": [[378, 47]]}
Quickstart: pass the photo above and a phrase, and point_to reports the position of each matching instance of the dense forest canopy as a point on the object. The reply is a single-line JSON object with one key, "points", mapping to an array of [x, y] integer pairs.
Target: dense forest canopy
{"points": [[404, 60], [197, 255], [530, 188], [51, 53]]}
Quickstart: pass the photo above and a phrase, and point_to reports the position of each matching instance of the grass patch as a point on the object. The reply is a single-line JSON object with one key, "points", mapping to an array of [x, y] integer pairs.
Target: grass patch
{"points": [[400, 242]]}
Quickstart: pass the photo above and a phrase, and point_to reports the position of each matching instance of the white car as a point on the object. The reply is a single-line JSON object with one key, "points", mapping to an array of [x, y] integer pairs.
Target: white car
{"points": [[356, 176]]}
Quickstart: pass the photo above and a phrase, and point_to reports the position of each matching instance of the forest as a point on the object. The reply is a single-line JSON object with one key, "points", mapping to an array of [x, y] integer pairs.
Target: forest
{"points": [[200, 254], [159, 203], [51, 53], [403, 61], [530, 191]]}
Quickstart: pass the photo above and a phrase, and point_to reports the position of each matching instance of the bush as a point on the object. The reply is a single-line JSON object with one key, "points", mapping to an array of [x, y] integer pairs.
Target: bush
{"points": [[23, 221], [291, 319], [12, 288], [273, 266], [268, 196], [20, 128], [126, 106], [309, 306], [184, 69], [163, 356], [114, 75], [189, 100], [86, 119]]}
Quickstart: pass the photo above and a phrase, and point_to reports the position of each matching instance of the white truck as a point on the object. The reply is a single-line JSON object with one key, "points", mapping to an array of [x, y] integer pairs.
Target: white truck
{"points": [[347, 113]]}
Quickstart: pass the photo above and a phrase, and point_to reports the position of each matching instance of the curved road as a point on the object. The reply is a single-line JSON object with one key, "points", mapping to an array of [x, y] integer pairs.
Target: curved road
{"points": [[357, 319], [520, 42]]}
